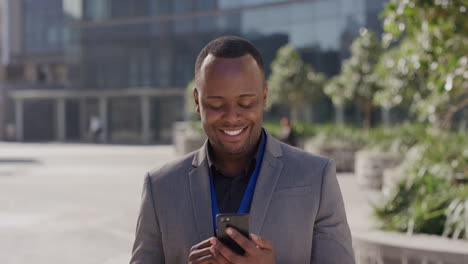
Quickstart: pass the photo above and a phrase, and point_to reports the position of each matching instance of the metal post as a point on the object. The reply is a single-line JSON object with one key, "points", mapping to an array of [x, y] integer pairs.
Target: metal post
{"points": [[19, 119], [103, 118], [61, 122], [83, 119], [145, 119]]}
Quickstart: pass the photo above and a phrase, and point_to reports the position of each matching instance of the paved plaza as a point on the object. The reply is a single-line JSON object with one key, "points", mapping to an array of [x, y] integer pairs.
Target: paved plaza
{"points": [[78, 203]]}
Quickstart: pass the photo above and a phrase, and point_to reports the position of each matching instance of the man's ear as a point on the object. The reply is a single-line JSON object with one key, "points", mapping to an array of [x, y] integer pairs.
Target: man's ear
{"points": [[195, 98], [265, 94]]}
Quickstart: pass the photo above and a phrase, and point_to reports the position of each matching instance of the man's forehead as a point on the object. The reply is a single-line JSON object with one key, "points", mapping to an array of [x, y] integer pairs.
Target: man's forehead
{"points": [[228, 65]]}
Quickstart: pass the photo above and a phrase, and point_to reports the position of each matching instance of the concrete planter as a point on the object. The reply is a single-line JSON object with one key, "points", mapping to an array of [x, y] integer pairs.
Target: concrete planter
{"points": [[342, 155], [370, 167], [398, 248], [185, 141]]}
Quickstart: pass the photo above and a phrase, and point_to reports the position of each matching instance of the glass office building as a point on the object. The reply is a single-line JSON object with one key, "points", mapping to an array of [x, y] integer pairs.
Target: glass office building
{"points": [[129, 62]]}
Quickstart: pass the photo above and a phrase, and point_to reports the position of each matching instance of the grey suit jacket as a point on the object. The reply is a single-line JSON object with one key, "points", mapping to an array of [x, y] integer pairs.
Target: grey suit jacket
{"points": [[297, 205]]}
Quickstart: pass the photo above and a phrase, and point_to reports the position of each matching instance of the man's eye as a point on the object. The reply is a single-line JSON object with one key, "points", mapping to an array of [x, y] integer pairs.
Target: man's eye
{"points": [[215, 107], [246, 105]]}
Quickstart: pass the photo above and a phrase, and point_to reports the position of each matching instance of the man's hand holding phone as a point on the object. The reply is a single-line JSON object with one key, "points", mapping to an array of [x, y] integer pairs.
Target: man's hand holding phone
{"points": [[212, 251], [232, 244], [257, 249]]}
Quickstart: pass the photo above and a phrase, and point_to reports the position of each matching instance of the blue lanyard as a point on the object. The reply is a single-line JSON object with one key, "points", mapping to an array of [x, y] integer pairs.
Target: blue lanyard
{"points": [[249, 190]]}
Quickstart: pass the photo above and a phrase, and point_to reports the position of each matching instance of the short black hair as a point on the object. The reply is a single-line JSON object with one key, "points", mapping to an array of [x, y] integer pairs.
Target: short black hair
{"points": [[229, 47]]}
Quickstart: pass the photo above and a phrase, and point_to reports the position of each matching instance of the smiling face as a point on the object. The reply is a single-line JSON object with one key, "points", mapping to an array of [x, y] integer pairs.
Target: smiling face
{"points": [[230, 97]]}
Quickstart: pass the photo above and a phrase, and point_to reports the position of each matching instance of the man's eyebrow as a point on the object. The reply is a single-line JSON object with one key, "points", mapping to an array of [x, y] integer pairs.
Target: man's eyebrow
{"points": [[220, 97], [214, 97]]}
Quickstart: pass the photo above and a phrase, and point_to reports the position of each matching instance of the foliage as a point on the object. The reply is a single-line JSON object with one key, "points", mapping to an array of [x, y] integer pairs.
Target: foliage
{"points": [[190, 112], [302, 129], [324, 134], [401, 73], [432, 198], [305, 129], [357, 81], [336, 88], [429, 66], [332, 135], [194, 129], [292, 82], [397, 139]]}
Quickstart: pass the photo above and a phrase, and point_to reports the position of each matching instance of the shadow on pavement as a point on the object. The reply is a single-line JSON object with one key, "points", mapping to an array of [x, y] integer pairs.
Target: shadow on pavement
{"points": [[16, 160]]}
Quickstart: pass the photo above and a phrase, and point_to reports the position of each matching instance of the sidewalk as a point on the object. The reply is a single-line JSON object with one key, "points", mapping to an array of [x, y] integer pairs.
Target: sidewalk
{"points": [[358, 203], [78, 203]]}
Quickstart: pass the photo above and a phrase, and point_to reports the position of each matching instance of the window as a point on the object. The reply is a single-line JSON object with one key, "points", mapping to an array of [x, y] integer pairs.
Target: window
{"points": [[96, 9], [43, 26]]}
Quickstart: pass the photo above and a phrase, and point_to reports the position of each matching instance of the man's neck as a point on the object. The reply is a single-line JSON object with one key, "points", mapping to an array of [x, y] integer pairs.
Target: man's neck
{"points": [[231, 164]]}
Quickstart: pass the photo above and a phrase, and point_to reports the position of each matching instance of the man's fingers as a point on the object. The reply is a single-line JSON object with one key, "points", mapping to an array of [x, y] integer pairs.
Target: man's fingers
{"points": [[201, 254], [261, 242], [203, 244], [196, 254], [208, 259], [226, 252], [218, 256], [241, 240]]}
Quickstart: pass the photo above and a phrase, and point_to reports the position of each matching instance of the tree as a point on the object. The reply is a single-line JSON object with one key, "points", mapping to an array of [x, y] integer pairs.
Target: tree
{"points": [[357, 81], [333, 88], [190, 111], [292, 82], [429, 64]]}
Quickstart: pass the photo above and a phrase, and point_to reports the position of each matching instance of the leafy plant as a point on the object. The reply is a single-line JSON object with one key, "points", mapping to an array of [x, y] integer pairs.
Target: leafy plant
{"points": [[302, 129], [339, 136], [397, 139], [324, 134], [190, 112], [429, 65], [292, 82], [357, 82], [431, 199]]}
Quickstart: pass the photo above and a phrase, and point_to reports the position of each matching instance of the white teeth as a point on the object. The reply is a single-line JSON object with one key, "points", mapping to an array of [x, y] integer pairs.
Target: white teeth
{"points": [[233, 133]]}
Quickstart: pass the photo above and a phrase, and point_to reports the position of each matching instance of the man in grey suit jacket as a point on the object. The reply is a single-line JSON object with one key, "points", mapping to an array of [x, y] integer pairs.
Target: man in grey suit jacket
{"points": [[296, 213]]}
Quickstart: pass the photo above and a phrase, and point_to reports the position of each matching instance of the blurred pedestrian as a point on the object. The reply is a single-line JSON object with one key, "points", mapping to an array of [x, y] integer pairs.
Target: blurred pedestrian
{"points": [[10, 132], [287, 134], [95, 128]]}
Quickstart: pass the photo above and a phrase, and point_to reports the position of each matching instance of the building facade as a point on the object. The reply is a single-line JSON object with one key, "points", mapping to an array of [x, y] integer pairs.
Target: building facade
{"points": [[127, 63]]}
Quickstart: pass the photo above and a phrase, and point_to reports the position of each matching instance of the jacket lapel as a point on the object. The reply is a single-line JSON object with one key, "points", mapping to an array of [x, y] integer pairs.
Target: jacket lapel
{"points": [[270, 171], [200, 194]]}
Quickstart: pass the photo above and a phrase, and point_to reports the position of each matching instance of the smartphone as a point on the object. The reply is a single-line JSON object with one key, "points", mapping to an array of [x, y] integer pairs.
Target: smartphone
{"points": [[240, 222]]}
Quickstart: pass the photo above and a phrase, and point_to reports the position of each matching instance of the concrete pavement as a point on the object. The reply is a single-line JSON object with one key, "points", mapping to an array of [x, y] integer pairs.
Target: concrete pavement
{"points": [[78, 203]]}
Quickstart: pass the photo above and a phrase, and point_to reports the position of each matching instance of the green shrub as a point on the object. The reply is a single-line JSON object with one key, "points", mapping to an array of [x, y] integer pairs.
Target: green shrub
{"points": [[302, 129], [340, 136], [396, 139], [433, 198], [273, 127], [324, 134], [194, 129]]}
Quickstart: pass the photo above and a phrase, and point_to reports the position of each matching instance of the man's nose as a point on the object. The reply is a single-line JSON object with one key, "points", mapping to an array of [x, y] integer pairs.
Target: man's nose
{"points": [[232, 113]]}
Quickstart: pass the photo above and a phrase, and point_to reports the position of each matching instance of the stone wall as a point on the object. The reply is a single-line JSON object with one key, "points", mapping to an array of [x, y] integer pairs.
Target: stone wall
{"points": [[377, 247], [370, 166], [343, 156]]}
